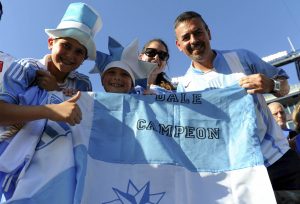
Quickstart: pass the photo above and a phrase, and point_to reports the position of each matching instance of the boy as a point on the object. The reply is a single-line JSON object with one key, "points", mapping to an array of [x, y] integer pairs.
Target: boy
{"points": [[121, 68], [70, 44], [22, 101]]}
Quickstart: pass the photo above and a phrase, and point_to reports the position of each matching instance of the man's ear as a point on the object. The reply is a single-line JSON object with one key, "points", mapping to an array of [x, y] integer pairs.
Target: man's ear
{"points": [[50, 43], [178, 45]]}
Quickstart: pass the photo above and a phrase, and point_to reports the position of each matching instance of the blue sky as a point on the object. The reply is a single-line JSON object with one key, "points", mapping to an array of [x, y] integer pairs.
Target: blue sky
{"points": [[261, 26]]}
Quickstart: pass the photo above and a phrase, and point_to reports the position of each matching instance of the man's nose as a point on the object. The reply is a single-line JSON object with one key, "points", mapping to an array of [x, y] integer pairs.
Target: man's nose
{"points": [[280, 115], [193, 39]]}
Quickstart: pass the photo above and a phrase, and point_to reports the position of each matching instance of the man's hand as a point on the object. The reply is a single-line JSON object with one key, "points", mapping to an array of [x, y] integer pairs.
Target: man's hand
{"points": [[46, 80], [67, 111], [259, 83]]}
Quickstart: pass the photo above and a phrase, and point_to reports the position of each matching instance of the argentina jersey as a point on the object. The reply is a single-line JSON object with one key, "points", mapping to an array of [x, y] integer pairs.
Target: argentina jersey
{"points": [[53, 130]]}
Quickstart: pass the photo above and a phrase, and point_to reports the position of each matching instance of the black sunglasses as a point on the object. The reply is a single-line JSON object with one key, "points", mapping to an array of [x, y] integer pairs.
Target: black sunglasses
{"points": [[151, 52]]}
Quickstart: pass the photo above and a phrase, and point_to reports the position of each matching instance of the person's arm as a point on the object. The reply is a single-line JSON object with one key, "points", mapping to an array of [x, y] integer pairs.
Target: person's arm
{"points": [[284, 87], [67, 111], [260, 76], [259, 83]]}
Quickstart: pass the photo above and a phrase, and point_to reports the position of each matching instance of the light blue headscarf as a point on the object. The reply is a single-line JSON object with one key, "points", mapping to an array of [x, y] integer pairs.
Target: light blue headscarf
{"points": [[124, 58]]}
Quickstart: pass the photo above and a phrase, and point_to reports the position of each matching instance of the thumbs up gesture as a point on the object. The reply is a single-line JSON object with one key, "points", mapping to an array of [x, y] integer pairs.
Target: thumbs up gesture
{"points": [[67, 111]]}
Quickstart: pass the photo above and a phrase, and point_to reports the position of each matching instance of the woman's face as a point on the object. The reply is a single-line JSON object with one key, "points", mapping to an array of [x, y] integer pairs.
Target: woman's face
{"points": [[156, 53]]}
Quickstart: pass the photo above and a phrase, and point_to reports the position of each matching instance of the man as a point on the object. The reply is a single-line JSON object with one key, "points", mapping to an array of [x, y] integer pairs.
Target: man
{"points": [[208, 69], [279, 115]]}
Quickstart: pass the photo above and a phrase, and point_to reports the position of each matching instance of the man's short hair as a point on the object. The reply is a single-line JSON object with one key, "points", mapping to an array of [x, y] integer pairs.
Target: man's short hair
{"points": [[188, 15], [1, 11]]}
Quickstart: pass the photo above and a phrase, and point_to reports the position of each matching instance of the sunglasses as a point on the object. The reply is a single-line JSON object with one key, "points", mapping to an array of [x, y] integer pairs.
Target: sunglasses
{"points": [[151, 52]]}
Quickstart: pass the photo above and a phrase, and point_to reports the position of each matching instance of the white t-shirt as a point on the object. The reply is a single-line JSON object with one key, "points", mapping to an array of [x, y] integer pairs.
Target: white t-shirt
{"points": [[5, 61]]}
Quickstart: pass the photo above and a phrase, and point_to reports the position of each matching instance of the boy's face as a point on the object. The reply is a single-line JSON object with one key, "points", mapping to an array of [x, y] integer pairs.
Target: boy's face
{"points": [[67, 54], [117, 80]]}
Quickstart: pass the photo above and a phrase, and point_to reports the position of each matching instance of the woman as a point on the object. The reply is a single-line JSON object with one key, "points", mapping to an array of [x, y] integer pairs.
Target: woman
{"points": [[156, 51]]}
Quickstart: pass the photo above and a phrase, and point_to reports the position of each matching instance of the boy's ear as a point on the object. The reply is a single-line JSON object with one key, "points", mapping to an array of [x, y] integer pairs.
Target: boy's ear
{"points": [[50, 43]]}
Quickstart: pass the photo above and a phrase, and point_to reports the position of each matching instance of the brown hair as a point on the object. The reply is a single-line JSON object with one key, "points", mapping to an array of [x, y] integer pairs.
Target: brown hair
{"points": [[188, 15], [155, 40]]}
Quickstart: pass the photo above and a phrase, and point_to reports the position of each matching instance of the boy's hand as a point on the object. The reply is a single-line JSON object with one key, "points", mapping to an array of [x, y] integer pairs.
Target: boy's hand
{"points": [[67, 111], [46, 80]]}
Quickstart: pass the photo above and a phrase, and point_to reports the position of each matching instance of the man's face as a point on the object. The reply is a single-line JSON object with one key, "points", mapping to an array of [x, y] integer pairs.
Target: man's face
{"points": [[278, 114], [193, 39]]}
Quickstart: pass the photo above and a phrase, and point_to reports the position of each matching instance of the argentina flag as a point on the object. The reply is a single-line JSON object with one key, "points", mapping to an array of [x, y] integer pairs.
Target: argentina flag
{"points": [[184, 148]]}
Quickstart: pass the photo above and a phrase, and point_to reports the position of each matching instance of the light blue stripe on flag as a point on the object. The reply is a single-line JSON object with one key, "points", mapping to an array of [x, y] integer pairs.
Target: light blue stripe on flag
{"points": [[201, 131]]}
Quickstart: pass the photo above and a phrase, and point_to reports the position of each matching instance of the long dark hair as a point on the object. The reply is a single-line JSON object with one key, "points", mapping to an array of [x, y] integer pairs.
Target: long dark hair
{"points": [[1, 11], [155, 40]]}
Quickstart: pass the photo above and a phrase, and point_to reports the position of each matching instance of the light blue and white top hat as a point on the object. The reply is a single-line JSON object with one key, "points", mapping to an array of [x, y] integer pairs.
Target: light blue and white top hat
{"points": [[124, 58], [80, 22]]}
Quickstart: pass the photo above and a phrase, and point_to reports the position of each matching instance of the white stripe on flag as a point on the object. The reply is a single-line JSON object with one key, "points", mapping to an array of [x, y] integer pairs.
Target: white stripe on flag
{"points": [[175, 184]]}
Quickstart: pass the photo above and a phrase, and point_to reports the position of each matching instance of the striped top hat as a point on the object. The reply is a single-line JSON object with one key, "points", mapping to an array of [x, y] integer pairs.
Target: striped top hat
{"points": [[80, 22]]}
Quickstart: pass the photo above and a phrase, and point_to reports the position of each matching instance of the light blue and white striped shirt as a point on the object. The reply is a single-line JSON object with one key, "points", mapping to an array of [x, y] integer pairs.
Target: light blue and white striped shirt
{"points": [[273, 142], [22, 74]]}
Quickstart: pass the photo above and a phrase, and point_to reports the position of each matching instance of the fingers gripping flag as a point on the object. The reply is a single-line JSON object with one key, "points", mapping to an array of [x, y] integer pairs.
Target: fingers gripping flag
{"points": [[198, 147]]}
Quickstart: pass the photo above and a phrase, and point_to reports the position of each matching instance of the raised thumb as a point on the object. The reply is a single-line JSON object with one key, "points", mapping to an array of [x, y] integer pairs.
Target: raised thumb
{"points": [[75, 97]]}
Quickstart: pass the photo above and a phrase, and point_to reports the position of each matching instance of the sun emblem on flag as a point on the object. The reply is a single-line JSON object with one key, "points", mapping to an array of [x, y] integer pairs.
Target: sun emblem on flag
{"points": [[133, 195]]}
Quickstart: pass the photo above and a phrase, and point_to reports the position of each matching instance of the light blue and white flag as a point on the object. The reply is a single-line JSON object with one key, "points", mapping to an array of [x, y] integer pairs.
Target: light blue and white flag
{"points": [[191, 148]]}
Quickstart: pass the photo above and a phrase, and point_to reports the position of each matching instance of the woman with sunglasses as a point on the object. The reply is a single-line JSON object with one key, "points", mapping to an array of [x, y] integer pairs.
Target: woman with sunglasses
{"points": [[156, 51]]}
